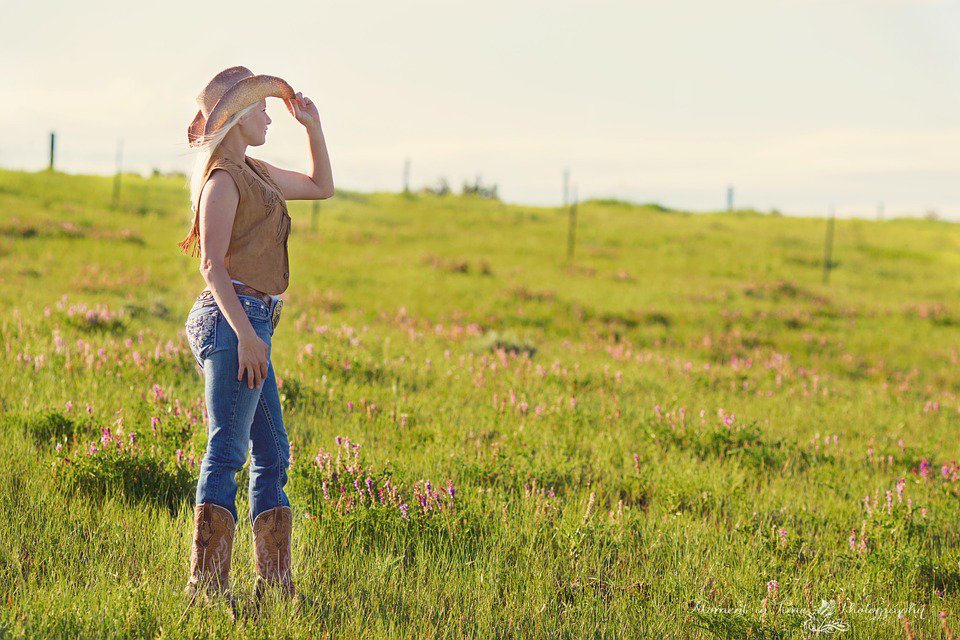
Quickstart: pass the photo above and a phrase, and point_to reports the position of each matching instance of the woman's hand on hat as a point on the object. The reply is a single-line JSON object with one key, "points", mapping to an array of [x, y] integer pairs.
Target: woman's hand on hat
{"points": [[303, 109]]}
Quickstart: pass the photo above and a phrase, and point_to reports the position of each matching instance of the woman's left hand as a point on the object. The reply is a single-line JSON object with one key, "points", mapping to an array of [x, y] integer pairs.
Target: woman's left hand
{"points": [[303, 109]]}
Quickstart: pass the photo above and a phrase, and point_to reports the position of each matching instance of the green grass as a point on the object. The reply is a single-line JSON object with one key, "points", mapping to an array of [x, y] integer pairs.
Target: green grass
{"points": [[639, 441]]}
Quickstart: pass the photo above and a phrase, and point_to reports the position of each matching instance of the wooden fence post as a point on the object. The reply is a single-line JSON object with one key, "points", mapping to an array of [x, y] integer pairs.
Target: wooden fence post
{"points": [[572, 228], [116, 180], [828, 248]]}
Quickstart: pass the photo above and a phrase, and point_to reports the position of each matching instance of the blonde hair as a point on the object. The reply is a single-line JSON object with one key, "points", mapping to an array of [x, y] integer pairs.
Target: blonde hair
{"points": [[204, 153]]}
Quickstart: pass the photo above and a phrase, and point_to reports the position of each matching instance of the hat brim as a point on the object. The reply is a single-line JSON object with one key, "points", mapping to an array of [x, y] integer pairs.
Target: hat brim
{"points": [[195, 130], [244, 93]]}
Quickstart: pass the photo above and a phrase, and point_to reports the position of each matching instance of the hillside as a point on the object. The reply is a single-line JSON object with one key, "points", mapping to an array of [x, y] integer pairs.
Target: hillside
{"points": [[680, 416]]}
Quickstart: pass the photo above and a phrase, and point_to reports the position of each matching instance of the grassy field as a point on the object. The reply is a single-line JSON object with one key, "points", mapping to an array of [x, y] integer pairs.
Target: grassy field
{"points": [[684, 433]]}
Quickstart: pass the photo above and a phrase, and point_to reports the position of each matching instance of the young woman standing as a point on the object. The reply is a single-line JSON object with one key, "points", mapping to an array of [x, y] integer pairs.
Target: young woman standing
{"points": [[241, 227]]}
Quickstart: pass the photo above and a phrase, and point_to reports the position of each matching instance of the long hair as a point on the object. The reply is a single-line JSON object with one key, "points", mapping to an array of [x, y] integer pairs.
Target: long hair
{"points": [[204, 153]]}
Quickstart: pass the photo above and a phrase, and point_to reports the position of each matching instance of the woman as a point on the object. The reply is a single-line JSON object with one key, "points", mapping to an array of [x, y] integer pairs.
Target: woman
{"points": [[241, 226]]}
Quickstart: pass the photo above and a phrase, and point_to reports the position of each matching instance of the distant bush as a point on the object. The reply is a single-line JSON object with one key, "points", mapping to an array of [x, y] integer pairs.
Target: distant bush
{"points": [[476, 189], [167, 174], [442, 188]]}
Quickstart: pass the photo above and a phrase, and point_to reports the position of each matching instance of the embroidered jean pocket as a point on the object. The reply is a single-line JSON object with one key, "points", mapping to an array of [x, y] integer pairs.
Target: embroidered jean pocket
{"points": [[202, 333]]}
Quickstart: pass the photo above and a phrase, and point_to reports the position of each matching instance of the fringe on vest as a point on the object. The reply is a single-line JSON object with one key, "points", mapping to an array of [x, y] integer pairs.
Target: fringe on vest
{"points": [[271, 197], [192, 237], [283, 228]]}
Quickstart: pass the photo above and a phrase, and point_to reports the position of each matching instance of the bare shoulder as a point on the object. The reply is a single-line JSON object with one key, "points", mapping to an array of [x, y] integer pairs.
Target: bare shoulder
{"points": [[221, 184], [220, 191]]}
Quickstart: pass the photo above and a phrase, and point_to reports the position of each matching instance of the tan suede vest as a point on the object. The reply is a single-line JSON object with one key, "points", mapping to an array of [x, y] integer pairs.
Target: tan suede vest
{"points": [[257, 254]]}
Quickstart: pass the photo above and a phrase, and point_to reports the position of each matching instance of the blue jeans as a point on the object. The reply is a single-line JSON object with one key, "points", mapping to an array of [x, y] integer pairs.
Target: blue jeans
{"points": [[239, 418]]}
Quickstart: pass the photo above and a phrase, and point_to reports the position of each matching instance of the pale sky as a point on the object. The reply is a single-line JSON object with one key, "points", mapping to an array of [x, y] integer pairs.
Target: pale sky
{"points": [[798, 104]]}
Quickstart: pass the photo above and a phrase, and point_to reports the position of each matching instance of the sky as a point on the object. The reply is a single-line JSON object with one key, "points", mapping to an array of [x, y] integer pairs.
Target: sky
{"points": [[799, 105]]}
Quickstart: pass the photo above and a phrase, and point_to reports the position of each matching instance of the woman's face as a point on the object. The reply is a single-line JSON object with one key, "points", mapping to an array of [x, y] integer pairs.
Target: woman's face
{"points": [[254, 125]]}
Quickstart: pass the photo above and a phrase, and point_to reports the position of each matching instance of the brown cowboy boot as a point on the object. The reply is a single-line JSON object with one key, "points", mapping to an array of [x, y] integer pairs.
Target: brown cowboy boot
{"points": [[271, 551], [210, 555]]}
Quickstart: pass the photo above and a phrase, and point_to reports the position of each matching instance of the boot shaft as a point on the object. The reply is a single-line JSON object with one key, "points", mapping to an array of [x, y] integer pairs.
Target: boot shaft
{"points": [[272, 532], [212, 549]]}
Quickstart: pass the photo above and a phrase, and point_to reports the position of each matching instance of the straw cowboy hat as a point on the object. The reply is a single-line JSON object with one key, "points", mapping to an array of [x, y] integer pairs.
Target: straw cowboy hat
{"points": [[230, 91]]}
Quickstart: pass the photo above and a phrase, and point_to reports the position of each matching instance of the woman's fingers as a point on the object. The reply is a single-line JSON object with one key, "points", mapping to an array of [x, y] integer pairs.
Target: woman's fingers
{"points": [[251, 372]]}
